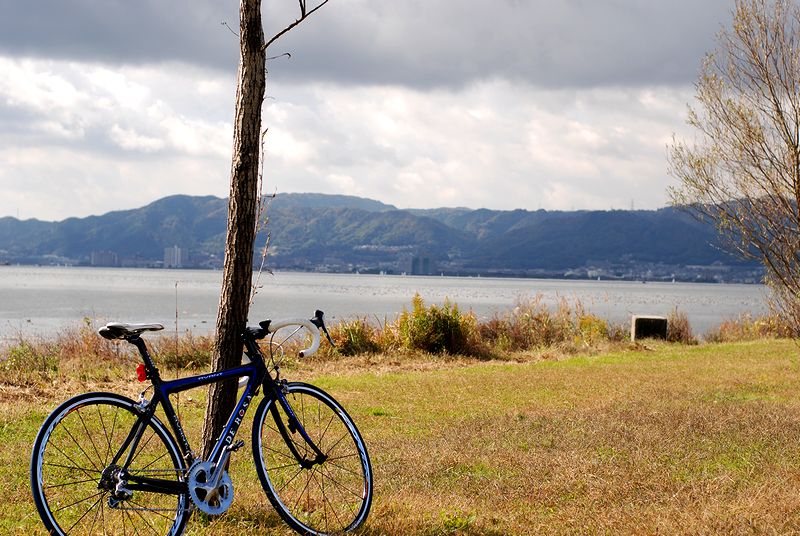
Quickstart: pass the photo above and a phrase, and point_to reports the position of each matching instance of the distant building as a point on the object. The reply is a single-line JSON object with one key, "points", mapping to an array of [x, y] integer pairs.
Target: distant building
{"points": [[104, 258], [419, 264], [174, 257]]}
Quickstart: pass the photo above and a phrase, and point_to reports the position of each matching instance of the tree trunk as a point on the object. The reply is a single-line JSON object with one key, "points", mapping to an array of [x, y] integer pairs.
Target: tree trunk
{"points": [[242, 214]]}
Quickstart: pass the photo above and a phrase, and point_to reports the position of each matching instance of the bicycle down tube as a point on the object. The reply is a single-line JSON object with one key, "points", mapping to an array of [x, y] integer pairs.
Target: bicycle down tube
{"points": [[257, 375]]}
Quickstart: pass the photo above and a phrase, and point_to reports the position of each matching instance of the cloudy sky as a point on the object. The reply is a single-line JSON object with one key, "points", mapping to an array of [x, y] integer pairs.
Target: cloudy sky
{"points": [[503, 104]]}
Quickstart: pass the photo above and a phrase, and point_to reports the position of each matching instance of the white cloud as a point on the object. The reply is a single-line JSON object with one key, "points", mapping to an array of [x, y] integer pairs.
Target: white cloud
{"points": [[495, 144], [344, 183], [442, 108], [125, 92], [77, 137], [132, 141], [35, 85], [524, 148]]}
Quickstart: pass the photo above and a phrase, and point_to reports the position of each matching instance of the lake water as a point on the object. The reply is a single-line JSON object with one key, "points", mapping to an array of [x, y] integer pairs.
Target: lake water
{"points": [[36, 300]]}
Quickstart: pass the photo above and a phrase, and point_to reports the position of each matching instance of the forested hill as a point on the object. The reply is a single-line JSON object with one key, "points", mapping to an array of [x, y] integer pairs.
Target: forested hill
{"points": [[344, 233]]}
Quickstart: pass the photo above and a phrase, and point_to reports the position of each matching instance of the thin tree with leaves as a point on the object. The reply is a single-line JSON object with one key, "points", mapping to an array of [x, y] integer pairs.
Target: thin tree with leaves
{"points": [[742, 170]]}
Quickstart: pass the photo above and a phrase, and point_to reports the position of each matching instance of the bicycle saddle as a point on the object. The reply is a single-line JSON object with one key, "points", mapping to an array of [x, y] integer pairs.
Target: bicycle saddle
{"points": [[119, 330]]}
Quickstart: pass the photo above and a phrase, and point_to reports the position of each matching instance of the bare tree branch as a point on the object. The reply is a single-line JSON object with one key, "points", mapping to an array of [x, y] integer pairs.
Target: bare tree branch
{"points": [[304, 14], [744, 170], [224, 23], [279, 56]]}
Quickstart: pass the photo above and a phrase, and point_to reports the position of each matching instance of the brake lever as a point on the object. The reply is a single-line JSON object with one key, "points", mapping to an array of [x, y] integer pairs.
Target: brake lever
{"points": [[320, 323]]}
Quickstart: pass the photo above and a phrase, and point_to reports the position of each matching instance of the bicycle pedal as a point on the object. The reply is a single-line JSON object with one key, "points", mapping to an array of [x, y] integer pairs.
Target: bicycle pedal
{"points": [[236, 446]]}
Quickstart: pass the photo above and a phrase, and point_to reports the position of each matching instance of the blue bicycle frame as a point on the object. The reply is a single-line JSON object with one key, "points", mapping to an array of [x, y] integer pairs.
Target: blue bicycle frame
{"points": [[258, 375]]}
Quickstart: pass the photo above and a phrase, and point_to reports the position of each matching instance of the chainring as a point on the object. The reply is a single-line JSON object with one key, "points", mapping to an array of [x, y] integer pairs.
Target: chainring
{"points": [[208, 499]]}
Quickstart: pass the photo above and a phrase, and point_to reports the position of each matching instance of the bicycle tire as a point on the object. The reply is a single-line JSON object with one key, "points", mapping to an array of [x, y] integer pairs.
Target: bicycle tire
{"points": [[329, 498], [74, 447]]}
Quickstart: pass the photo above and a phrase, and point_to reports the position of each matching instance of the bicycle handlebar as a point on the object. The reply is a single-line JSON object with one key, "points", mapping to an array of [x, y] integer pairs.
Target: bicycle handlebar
{"points": [[275, 325], [313, 326]]}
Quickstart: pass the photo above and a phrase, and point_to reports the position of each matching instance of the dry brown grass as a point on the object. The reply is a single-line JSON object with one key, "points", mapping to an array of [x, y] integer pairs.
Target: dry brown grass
{"points": [[655, 439], [679, 329], [672, 441], [749, 328]]}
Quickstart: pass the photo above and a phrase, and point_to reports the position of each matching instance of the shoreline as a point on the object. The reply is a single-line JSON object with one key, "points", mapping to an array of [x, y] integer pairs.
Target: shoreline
{"points": [[46, 299]]}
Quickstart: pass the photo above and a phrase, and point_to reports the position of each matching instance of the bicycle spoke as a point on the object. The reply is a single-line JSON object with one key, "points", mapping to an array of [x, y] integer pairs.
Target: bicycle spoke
{"points": [[127, 515], [141, 469], [300, 496], [72, 483], [84, 514], [141, 446], [342, 486], [346, 435], [80, 448], [75, 440], [279, 453], [330, 496], [342, 457], [345, 469], [299, 471], [139, 513], [287, 466], [89, 435], [75, 464], [71, 467], [105, 432], [295, 443], [87, 498], [325, 432], [94, 519], [327, 501], [103, 515], [113, 431]]}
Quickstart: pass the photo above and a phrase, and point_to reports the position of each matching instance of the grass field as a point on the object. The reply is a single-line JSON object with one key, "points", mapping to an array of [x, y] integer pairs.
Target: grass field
{"points": [[653, 439]]}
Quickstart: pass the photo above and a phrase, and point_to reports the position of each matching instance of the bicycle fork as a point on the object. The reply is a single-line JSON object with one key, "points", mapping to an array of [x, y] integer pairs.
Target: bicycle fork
{"points": [[295, 427]]}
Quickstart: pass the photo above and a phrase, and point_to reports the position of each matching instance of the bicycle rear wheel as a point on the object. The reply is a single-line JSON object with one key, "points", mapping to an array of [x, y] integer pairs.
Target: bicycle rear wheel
{"points": [[328, 497], [74, 486]]}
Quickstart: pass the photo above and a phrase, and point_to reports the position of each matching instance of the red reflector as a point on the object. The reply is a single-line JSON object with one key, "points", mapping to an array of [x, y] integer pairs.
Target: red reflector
{"points": [[141, 374]]}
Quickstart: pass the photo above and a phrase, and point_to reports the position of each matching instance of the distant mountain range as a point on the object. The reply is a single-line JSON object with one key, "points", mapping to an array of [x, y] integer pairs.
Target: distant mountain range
{"points": [[344, 233]]}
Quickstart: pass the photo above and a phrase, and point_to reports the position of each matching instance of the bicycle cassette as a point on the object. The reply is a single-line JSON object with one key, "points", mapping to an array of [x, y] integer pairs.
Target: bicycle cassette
{"points": [[208, 498]]}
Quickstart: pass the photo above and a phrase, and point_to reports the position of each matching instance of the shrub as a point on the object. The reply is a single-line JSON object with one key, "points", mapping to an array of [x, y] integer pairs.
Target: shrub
{"points": [[591, 329], [438, 329], [188, 351], [531, 324], [748, 328], [678, 328], [86, 344], [354, 337], [26, 358], [619, 332]]}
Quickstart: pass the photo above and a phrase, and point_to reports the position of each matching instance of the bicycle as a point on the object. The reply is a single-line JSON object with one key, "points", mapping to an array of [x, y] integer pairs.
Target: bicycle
{"points": [[105, 464]]}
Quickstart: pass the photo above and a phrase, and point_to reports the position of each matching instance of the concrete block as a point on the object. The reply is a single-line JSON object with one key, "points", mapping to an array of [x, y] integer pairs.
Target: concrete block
{"points": [[648, 327]]}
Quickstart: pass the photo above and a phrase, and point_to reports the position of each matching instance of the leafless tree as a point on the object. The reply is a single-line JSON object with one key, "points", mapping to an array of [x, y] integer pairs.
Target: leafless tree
{"points": [[742, 170], [243, 209]]}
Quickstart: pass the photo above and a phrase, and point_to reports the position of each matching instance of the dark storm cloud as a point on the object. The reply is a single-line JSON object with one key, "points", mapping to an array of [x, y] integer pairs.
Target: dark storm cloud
{"points": [[416, 43], [121, 31], [547, 43]]}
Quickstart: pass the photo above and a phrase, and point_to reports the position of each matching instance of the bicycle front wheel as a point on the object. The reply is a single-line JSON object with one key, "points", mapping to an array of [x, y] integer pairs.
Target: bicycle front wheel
{"points": [[314, 495], [77, 489]]}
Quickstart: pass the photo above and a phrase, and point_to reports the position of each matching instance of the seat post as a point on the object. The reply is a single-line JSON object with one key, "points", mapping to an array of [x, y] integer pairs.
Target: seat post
{"points": [[150, 367]]}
